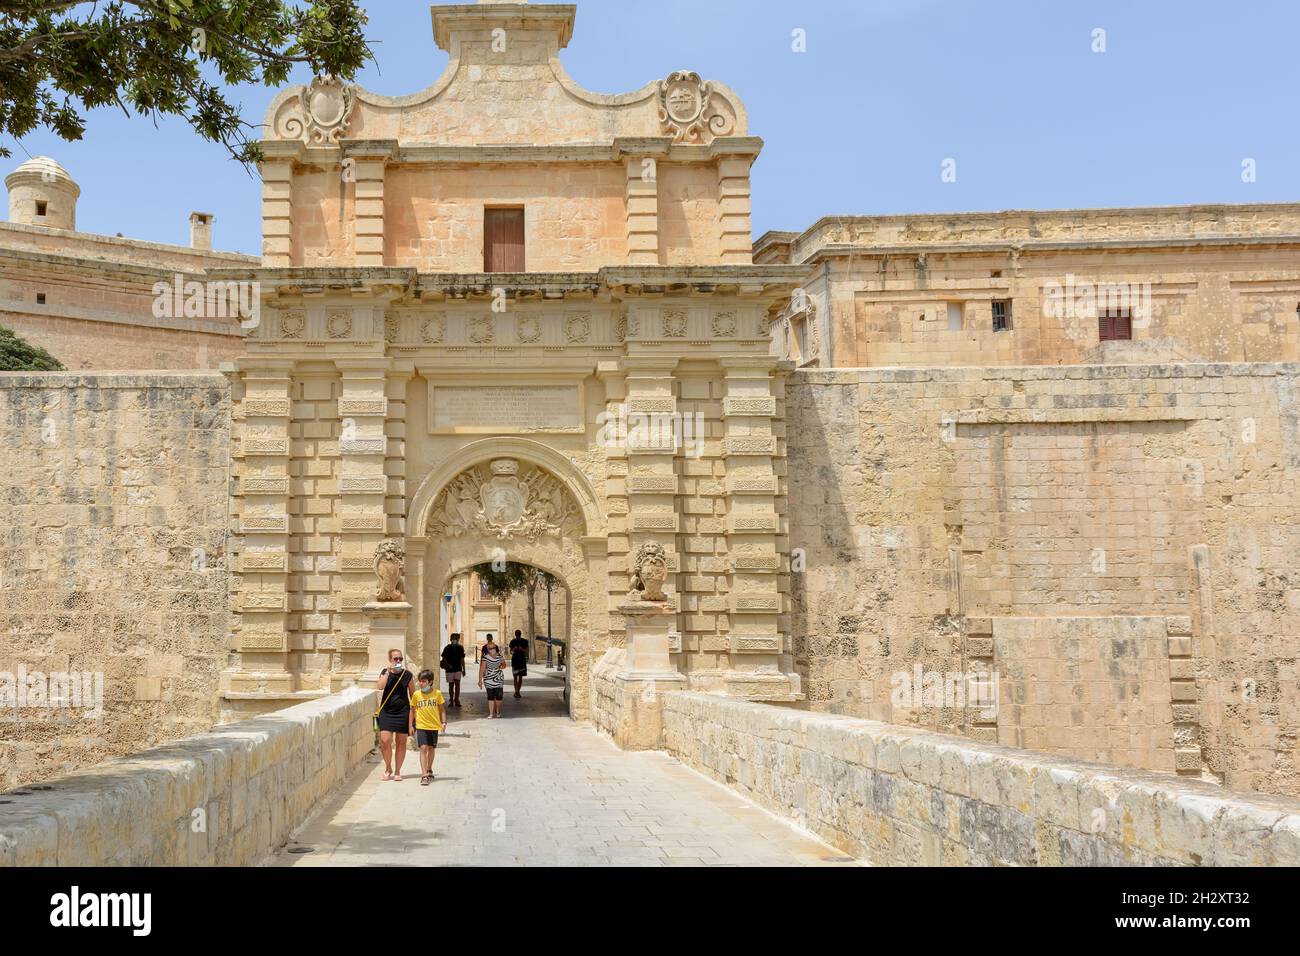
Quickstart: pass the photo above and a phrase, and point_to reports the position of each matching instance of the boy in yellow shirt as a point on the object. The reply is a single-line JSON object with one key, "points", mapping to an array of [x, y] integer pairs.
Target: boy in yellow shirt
{"points": [[428, 716]]}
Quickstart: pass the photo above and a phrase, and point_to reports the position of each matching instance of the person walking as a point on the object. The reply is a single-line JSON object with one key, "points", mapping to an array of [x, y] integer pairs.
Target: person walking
{"points": [[428, 717], [519, 661], [490, 677], [394, 714], [453, 662]]}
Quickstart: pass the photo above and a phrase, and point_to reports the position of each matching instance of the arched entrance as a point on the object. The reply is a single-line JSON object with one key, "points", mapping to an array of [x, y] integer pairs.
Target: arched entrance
{"points": [[509, 499]]}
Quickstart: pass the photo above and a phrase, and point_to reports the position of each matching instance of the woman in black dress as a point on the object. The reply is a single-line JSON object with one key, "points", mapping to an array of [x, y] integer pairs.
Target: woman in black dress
{"points": [[394, 688]]}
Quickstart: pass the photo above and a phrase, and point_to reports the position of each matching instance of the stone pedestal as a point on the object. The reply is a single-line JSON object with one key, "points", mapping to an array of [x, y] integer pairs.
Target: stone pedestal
{"points": [[387, 630], [647, 673]]}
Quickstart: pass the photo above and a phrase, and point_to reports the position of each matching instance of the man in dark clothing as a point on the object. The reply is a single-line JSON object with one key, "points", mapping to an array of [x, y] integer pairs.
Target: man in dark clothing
{"points": [[519, 661], [453, 662]]}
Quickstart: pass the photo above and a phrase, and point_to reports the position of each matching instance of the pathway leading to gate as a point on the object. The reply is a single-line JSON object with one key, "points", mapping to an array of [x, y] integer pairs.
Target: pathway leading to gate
{"points": [[534, 788]]}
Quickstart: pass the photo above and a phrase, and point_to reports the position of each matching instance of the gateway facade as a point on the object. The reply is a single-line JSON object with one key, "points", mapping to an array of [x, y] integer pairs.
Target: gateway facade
{"points": [[552, 350]]}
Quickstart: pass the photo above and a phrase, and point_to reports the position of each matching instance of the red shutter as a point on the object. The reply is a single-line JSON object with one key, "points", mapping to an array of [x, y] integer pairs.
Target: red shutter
{"points": [[1114, 326], [503, 240]]}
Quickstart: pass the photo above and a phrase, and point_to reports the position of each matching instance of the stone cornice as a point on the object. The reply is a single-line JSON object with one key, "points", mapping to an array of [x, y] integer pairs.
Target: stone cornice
{"points": [[518, 16], [396, 152], [861, 250], [615, 281]]}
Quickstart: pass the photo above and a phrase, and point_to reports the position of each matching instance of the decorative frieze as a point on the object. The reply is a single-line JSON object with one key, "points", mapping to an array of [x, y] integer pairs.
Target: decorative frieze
{"points": [[264, 485], [652, 484], [253, 561], [362, 484], [752, 523], [363, 406], [265, 445], [265, 407], [749, 445], [363, 521], [270, 523], [749, 405], [756, 643], [654, 522], [751, 484], [363, 445], [747, 603]]}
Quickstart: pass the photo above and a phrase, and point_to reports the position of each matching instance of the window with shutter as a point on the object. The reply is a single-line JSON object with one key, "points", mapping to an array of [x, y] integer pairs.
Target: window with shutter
{"points": [[503, 240], [1114, 325]]}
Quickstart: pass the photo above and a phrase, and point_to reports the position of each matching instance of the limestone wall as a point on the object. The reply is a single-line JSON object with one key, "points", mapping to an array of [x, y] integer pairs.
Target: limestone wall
{"points": [[899, 796], [1118, 544], [224, 798], [91, 302], [113, 510]]}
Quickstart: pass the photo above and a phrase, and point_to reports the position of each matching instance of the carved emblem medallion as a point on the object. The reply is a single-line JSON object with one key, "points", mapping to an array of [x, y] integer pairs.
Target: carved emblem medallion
{"points": [[686, 109], [323, 111]]}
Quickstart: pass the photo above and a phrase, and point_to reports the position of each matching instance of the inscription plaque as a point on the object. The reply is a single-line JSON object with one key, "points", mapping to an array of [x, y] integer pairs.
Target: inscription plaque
{"points": [[505, 408]]}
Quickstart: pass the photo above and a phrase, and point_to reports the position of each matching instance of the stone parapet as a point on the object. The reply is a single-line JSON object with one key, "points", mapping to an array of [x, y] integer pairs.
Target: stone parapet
{"points": [[908, 797], [225, 798]]}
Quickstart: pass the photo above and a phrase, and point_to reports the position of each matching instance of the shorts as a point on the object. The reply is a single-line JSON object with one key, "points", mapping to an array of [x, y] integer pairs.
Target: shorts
{"points": [[454, 676], [521, 671], [496, 693], [426, 738]]}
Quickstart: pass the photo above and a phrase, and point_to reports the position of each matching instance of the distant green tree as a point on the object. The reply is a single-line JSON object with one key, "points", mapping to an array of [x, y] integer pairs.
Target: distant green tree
{"points": [[60, 58], [516, 578], [19, 355]]}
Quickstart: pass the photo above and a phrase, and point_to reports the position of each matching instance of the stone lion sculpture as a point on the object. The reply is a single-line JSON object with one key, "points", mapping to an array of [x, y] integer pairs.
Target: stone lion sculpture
{"points": [[649, 572], [390, 562]]}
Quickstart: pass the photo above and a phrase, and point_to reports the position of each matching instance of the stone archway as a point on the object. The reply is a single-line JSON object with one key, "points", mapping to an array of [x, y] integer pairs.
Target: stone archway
{"points": [[515, 500]]}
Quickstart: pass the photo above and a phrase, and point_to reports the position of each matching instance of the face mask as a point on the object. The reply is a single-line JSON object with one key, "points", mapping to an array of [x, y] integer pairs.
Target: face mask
{"points": [[397, 666], [424, 688]]}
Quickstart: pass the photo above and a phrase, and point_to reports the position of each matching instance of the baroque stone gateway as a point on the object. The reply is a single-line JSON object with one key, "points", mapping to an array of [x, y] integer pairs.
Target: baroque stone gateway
{"points": [[800, 493]]}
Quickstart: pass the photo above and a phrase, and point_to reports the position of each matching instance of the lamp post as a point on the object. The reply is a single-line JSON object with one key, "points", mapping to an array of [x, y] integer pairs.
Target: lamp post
{"points": [[549, 633]]}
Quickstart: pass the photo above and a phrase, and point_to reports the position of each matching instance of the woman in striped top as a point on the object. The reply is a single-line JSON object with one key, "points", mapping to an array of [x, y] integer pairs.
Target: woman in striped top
{"points": [[490, 677]]}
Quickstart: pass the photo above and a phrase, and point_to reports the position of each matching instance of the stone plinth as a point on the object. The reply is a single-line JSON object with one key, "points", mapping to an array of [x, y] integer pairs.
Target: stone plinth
{"points": [[646, 674], [387, 630]]}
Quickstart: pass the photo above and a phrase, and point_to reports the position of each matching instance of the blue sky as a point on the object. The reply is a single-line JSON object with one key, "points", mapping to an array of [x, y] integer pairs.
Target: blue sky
{"points": [[860, 123]]}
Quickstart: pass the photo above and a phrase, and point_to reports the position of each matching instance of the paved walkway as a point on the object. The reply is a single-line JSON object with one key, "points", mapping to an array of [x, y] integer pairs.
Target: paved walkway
{"points": [[537, 789]]}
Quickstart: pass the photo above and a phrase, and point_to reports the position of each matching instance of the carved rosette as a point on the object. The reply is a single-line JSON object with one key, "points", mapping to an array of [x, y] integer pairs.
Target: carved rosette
{"points": [[687, 110], [339, 325], [497, 501], [528, 328], [577, 327], [321, 113], [434, 328]]}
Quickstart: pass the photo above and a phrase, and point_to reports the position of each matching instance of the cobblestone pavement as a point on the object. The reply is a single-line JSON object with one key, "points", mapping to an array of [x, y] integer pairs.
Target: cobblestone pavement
{"points": [[535, 788]]}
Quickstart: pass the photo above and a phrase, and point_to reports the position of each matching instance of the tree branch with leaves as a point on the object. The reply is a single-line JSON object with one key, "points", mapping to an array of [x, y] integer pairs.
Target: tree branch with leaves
{"points": [[502, 581], [60, 59]]}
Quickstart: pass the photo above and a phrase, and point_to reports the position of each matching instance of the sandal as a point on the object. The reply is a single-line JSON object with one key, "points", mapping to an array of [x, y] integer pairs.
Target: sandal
{"points": [[424, 780], [388, 775], [397, 778]]}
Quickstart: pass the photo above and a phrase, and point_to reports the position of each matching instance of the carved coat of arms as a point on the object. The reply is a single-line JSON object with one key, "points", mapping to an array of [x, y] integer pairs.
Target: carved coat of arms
{"points": [[501, 504]]}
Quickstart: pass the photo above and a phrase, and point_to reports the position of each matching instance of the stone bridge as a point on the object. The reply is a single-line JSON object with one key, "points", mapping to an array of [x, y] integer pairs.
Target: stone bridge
{"points": [[735, 783]]}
